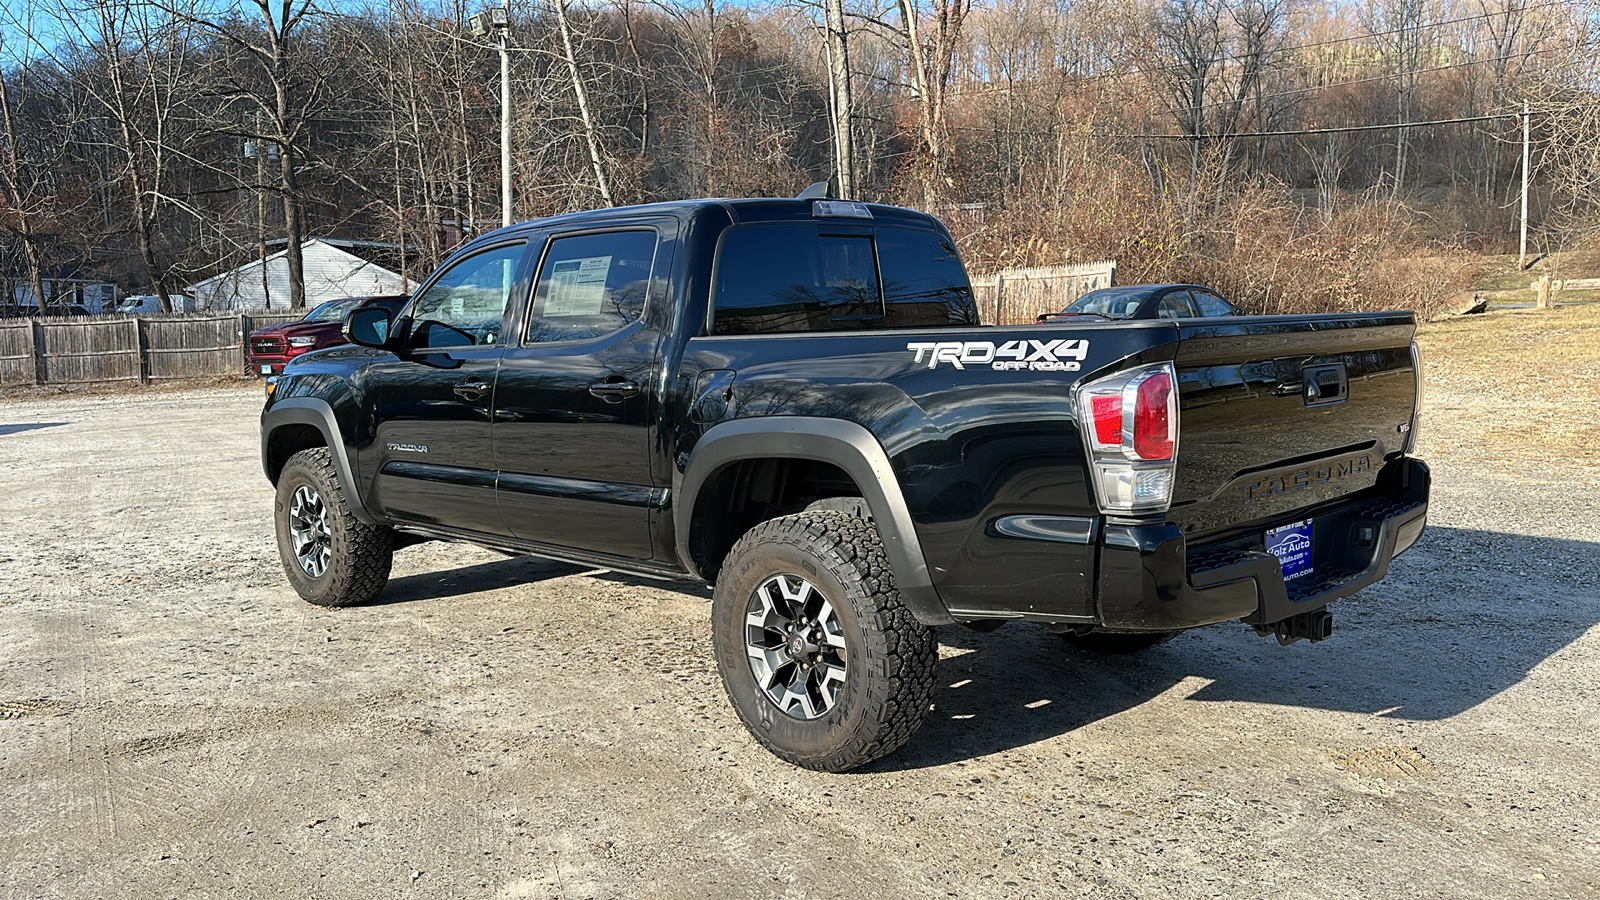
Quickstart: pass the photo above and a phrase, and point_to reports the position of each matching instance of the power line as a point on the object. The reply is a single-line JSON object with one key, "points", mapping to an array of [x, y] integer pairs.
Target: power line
{"points": [[1387, 126], [1338, 130]]}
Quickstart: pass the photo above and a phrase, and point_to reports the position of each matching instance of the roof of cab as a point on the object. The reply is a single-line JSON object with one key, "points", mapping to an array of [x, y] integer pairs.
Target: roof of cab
{"points": [[741, 210]]}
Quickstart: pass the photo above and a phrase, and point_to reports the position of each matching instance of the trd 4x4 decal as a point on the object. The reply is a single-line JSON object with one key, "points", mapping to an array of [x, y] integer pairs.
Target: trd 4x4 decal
{"points": [[1032, 356]]}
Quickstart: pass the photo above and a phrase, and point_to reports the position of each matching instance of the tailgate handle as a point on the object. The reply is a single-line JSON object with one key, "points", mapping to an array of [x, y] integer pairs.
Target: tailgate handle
{"points": [[1322, 385]]}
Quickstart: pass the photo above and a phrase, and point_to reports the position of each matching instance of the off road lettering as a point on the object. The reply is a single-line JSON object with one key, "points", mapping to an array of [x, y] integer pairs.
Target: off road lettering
{"points": [[1056, 355]]}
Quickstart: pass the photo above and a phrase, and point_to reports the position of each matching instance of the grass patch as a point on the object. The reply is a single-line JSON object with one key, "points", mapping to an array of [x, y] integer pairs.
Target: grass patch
{"points": [[1525, 378], [1500, 273]]}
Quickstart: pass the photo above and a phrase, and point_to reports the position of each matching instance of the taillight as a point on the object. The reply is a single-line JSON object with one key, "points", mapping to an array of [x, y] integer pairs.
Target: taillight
{"points": [[1130, 424], [1416, 409], [1155, 418], [1107, 420]]}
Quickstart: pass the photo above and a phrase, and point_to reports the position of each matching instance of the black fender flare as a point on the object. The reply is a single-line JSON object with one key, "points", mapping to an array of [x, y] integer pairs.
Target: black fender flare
{"points": [[318, 414], [843, 443]]}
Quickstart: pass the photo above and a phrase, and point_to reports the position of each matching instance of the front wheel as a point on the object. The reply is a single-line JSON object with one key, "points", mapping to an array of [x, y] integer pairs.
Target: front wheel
{"points": [[819, 655], [330, 557]]}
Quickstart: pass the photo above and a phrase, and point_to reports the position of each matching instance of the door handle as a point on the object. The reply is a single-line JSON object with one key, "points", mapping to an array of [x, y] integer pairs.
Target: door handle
{"points": [[471, 389], [614, 391]]}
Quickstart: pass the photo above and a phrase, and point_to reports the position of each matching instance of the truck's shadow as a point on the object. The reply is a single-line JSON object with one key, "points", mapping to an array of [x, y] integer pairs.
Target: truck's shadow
{"points": [[494, 575], [502, 573], [1464, 616]]}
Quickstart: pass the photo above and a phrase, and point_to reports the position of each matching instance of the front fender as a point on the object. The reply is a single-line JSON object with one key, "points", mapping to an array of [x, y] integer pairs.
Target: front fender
{"points": [[845, 444], [318, 414]]}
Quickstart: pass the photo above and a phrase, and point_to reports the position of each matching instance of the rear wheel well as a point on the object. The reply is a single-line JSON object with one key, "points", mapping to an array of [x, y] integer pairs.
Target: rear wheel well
{"points": [[743, 494], [286, 441]]}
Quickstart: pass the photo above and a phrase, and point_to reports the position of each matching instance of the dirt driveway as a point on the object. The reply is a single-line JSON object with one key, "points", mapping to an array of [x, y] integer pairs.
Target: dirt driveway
{"points": [[175, 722]]}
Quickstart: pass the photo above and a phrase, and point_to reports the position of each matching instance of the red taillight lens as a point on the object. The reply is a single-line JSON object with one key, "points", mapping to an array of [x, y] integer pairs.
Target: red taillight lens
{"points": [[1132, 470], [1107, 420], [1152, 418]]}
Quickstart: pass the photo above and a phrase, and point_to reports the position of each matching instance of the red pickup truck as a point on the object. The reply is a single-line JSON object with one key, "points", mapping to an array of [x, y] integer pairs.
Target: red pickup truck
{"points": [[271, 348]]}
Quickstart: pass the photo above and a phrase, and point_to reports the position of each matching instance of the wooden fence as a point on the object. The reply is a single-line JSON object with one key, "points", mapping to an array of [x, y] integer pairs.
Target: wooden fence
{"points": [[141, 349], [1018, 296]]}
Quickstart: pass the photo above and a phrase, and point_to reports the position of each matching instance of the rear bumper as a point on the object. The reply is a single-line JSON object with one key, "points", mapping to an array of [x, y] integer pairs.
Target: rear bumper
{"points": [[1150, 580]]}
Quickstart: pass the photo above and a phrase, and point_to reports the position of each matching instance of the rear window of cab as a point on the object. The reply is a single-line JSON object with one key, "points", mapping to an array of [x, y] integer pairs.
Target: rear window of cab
{"points": [[806, 276]]}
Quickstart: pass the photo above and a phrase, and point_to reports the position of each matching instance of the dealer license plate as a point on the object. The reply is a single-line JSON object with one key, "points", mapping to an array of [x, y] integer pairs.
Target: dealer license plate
{"points": [[1291, 544], [266, 370]]}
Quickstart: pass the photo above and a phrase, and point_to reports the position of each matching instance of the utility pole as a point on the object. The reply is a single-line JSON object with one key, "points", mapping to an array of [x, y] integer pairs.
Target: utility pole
{"points": [[497, 19], [1522, 250], [502, 24]]}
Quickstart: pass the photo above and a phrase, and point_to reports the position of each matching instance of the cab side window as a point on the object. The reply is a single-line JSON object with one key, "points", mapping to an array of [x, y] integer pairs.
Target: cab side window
{"points": [[1212, 305], [1176, 305], [464, 306], [591, 285]]}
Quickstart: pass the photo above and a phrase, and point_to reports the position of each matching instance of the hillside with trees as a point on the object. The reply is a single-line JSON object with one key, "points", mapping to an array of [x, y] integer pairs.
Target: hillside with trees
{"points": [[1298, 154]]}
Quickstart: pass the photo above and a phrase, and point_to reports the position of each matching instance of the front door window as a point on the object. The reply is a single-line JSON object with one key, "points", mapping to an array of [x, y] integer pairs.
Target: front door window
{"points": [[464, 306]]}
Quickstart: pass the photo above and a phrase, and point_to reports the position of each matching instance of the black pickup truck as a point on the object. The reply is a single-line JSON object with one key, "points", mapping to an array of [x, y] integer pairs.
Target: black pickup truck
{"points": [[794, 401]]}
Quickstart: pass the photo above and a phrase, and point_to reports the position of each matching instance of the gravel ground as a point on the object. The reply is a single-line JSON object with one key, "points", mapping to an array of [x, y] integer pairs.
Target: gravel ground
{"points": [[175, 722]]}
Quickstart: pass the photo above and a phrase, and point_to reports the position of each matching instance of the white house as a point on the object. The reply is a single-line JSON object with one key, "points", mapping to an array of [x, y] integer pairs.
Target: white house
{"points": [[330, 274]]}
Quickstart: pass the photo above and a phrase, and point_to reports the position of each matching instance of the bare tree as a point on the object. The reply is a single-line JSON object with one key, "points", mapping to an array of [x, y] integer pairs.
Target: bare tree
{"points": [[841, 100], [1401, 29], [1210, 60], [287, 84], [25, 190], [590, 135], [132, 68], [931, 61], [1189, 47]]}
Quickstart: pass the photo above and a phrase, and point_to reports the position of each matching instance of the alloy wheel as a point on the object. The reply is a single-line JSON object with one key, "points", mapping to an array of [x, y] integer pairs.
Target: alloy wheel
{"points": [[309, 531], [795, 646]]}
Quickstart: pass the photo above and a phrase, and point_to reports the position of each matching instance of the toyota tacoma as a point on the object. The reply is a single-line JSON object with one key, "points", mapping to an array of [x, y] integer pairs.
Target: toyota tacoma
{"points": [[794, 401]]}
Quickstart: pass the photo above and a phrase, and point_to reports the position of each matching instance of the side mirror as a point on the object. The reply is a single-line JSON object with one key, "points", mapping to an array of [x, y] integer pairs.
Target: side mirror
{"points": [[368, 326]]}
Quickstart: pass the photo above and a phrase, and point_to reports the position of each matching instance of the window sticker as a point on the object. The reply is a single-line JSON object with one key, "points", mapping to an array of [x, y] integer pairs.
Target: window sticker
{"points": [[578, 287]]}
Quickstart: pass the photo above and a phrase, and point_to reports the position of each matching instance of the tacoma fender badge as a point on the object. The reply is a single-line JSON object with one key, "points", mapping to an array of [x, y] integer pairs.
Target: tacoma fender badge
{"points": [[408, 448]]}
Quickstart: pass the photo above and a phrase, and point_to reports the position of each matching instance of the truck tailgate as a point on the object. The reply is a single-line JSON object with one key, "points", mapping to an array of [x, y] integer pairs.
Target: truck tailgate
{"points": [[1284, 413]]}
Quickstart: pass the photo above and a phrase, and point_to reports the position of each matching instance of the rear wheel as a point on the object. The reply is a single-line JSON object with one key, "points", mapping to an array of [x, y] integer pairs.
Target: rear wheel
{"points": [[1118, 644], [820, 657], [330, 557]]}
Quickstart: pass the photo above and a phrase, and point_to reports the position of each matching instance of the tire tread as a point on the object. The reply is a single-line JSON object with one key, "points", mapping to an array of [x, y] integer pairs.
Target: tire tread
{"points": [[367, 551], [853, 548]]}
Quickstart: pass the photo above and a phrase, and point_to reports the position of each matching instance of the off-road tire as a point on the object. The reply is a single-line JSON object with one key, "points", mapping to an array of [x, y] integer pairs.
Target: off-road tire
{"points": [[1113, 643], [890, 656], [361, 554]]}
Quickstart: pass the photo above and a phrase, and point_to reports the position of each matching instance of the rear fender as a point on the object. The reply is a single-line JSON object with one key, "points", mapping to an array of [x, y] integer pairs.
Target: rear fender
{"points": [[845, 444]]}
